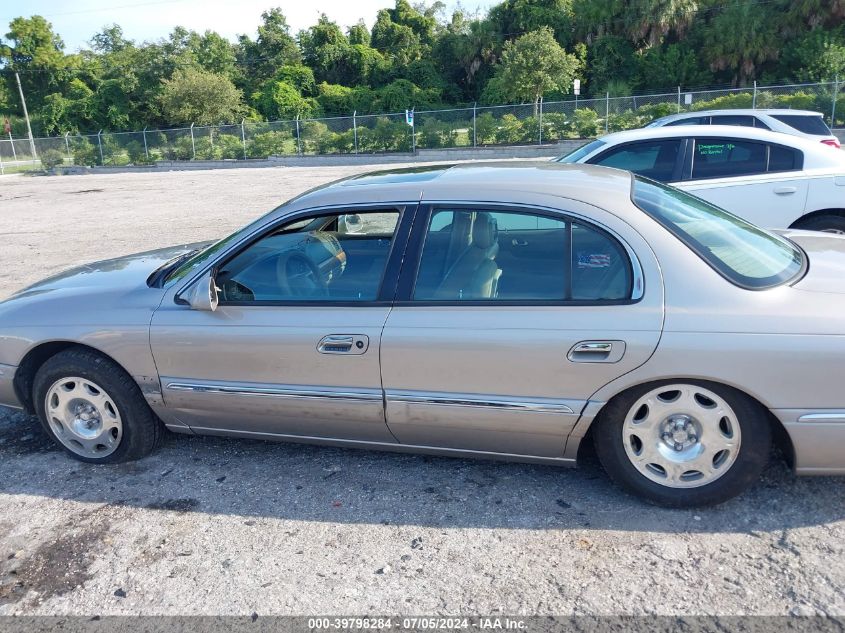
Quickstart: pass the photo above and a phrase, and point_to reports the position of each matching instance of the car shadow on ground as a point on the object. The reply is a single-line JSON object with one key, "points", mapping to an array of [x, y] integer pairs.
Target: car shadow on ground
{"points": [[310, 483]]}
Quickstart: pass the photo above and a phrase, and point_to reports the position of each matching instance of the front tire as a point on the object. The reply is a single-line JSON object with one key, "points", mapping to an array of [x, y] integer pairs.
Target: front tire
{"points": [[93, 409], [683, 443]]}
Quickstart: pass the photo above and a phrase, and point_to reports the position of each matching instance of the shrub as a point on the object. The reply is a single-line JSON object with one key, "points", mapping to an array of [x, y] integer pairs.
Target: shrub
{"points": [[509, 130], [731, 101], [555, 126], [485, 128], [652, 111], [52, 158], [270, 143], [585, 123], [84, 153], [229, 146]]}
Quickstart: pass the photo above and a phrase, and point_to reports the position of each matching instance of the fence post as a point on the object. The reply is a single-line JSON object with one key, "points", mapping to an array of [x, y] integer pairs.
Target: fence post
{"points": [[193, 144], [474, 137], [606, 110], [243, 136], [100, 143], [355, 128], [67, 148], [298, 141], [146, 150], [1, 162], [541, 121], [833, 106], [679, 99], [754, 96], [12, 143], [413, 132]]}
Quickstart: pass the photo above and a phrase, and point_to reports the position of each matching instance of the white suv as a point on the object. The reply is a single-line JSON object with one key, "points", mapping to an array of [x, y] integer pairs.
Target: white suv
{"points": [[804, 123], [770, 179]]}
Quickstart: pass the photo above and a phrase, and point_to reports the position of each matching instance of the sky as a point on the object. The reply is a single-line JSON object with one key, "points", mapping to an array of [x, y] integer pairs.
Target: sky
{"points": [[77, 20]]}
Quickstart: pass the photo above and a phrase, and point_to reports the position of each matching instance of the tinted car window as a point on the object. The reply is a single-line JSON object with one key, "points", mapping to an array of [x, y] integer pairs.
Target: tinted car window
{"points": [[338, 257], [722, 158], [814, 125], [784, 158], [584, 150], [742, 253], [732, 119], [653, 159], [472, 255], [695, 120]]}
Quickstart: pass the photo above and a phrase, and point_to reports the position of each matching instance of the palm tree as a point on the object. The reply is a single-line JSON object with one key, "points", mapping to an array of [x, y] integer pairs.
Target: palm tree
{"points": [[741, 38], [649, 21]]}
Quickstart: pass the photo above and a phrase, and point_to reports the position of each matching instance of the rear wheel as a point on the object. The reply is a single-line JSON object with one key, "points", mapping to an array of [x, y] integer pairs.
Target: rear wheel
{"points": [[93, 409], [683, 443], [827, 223]]}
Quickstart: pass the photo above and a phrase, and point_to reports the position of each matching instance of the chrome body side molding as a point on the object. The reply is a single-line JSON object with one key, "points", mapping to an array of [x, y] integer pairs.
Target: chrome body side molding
{"points": [[307, 393], [566, 407]]}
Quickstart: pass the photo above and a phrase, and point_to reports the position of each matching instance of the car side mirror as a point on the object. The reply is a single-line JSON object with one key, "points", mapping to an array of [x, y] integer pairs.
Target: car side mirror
{"points": [[203, 294]]}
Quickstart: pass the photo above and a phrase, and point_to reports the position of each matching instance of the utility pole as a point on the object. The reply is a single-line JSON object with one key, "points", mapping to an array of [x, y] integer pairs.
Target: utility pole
{"points": [[26, 116]]}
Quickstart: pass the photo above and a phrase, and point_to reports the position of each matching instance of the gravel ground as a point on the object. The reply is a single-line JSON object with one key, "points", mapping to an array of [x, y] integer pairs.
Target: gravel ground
{"points": [[213, 526]]}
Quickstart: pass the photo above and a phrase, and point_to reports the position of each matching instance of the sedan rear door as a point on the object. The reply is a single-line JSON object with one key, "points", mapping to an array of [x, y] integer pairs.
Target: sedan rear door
{"points": [[760, 182], [507, 320]]}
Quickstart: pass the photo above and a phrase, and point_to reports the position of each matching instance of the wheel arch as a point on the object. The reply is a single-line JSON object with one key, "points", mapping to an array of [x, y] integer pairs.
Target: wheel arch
{"points": [[818, 213], [35, 358], [780, 436]]}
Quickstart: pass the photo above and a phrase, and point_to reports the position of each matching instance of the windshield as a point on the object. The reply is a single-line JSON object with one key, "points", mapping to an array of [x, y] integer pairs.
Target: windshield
{"points": [[578, 154], [745, 255], [201, 256]]}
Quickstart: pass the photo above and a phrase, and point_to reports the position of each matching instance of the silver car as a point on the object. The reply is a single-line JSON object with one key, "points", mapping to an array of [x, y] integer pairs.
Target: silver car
{"points": [[491, 310]]}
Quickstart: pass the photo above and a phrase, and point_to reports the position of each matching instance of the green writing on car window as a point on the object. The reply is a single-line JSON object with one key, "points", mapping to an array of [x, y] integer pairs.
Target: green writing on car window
{"points": [[714, 150]]}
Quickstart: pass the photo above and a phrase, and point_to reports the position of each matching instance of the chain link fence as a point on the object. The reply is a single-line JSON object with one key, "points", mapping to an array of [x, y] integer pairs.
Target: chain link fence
{"points": [[477, 126]]}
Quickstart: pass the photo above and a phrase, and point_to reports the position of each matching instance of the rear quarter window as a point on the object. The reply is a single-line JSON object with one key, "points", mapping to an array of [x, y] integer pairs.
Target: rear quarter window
{"points": [[807, 124]]}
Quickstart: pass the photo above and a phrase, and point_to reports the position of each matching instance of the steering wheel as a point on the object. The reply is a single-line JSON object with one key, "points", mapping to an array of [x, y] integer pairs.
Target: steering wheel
{"points": [[298, 276]]}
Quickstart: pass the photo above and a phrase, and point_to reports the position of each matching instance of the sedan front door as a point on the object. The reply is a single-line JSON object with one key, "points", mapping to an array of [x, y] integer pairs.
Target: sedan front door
{"points": [[293, 348]]}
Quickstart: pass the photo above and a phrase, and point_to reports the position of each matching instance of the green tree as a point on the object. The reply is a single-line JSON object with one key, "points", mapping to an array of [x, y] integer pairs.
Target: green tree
{"points": [[32, 45], [281, 100], [201, 97], [535, 64], [740, 39]]}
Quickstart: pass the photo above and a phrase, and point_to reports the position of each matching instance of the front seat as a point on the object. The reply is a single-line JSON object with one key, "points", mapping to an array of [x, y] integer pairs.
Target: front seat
{"points": [[474, 275]]}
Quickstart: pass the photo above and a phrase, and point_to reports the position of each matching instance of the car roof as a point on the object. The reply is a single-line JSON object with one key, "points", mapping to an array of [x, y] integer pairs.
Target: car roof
{"points": [[736, 131], [737, 112], [493, 181]]}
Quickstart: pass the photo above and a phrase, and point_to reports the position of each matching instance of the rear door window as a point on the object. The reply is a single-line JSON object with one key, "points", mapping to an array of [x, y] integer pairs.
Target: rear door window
{"points": [[693, 120], [733, 119], [654, 159], [808, 124], [784, 158], [723, 158]]}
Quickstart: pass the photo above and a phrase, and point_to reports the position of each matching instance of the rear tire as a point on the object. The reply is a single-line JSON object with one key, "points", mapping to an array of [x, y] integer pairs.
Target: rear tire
{"points": [[828, 223], [683, 443], [93, 409]]}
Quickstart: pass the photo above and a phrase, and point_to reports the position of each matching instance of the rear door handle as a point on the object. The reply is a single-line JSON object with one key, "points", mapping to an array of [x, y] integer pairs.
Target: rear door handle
{"points": [[353, 344], [596, 352], [785, 191]]}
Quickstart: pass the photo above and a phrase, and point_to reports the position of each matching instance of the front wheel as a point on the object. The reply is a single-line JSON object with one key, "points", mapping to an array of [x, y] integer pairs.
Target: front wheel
{"points": [[683, 444], [93, 409]]}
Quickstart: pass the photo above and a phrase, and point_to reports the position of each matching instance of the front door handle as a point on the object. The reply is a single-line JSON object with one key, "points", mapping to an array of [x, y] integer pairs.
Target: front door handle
{"points": [[596, 352], [785, 191], [353, 344]]}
